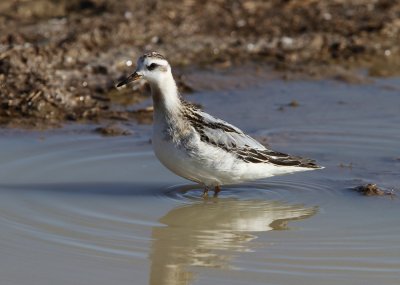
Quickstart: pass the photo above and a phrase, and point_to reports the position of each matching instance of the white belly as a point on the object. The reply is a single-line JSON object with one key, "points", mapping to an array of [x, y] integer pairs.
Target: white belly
{"points": [[186, 164], [211, 166]]}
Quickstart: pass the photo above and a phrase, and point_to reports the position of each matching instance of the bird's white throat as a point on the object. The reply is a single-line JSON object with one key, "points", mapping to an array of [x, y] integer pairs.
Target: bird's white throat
{"points": [[165, 95]]}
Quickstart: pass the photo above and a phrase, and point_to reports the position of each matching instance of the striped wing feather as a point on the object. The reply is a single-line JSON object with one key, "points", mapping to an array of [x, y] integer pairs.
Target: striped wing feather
{"points": [[228, 137]]}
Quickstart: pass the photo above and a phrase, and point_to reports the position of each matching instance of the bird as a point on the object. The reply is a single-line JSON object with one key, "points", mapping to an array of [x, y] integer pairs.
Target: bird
{"points": [[200, 147]]}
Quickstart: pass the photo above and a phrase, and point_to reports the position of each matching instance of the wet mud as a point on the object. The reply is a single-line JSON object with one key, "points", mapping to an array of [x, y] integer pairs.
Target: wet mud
{"points": [[59, 60]]}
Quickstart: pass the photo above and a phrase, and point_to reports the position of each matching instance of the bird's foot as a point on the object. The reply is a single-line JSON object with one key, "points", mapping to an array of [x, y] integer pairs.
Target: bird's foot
{"points": [[217, 189]]}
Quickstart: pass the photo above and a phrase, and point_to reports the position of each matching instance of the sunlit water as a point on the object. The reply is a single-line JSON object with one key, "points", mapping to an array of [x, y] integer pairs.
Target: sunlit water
{"points": [[76, 208]]}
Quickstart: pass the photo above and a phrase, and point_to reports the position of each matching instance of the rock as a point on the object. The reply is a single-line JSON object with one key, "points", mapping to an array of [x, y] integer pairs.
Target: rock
{"points": [[112, 130], [372, 190]]}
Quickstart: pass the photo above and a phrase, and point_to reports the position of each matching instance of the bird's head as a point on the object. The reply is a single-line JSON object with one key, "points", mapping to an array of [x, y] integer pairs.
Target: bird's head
{"points": [[152, 67]]}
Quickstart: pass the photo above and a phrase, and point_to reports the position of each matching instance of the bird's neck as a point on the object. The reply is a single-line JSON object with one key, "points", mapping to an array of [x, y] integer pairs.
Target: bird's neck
{"points": [[166, 99]]}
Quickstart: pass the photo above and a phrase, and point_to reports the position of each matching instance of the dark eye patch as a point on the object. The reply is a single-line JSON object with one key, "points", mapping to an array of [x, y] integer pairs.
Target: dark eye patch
{"points": [[152, 66]]}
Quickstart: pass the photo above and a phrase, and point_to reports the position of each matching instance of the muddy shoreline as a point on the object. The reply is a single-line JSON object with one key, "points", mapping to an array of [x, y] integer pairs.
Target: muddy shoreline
{"points": [[59, 60]]}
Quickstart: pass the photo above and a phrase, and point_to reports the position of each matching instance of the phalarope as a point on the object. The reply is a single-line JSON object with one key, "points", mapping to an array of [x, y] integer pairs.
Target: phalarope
{"points": [[200, 147]]}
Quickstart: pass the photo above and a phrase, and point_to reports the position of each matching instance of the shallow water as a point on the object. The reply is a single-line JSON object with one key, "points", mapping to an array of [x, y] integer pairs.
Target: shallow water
{"points": [[76, 208]]}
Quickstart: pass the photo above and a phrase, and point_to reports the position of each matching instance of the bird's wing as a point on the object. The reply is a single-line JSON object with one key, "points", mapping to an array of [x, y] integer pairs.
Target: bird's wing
{"points": [[219, 132], [273, 157], [230, 138]]}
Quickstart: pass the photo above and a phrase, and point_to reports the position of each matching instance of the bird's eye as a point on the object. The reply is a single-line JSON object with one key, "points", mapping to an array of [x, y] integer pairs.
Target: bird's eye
{"points": [[152, 66]]}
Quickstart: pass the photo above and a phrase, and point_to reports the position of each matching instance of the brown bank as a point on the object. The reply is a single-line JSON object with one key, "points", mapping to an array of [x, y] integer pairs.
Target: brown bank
{"points": [[59, 60]]}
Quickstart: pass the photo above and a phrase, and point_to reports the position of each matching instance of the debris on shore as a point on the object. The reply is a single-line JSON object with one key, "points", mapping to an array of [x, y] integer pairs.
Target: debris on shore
{"points": [[372, 190], [291, 104], [112, 130]]}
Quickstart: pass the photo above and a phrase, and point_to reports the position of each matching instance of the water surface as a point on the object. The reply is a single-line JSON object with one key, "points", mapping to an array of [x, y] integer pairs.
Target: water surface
{"points": [[77, 208]]}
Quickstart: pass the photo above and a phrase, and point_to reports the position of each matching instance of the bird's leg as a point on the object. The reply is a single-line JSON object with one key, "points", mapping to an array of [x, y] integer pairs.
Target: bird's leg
{"points": [[205, 193], [217, 189]]}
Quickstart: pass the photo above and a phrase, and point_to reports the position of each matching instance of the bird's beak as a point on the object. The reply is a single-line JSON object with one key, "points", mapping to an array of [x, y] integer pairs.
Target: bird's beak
{"points": [[133, 77]]}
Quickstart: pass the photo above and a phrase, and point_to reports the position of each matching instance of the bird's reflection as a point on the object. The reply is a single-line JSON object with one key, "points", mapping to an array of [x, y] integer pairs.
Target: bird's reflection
{"points": [[209, 233]]}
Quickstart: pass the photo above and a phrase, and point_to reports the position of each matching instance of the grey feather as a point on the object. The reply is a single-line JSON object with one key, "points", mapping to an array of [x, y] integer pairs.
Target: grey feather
{"points": [[231, 139]]}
